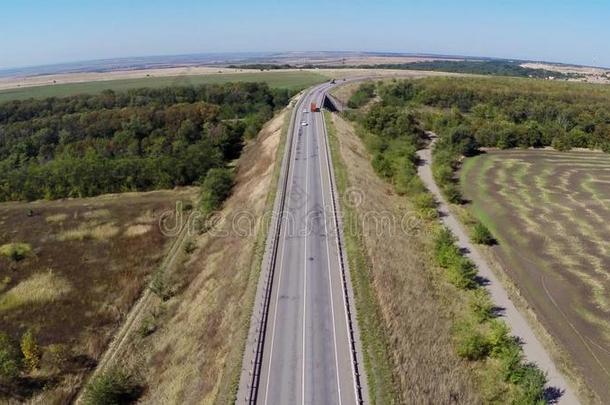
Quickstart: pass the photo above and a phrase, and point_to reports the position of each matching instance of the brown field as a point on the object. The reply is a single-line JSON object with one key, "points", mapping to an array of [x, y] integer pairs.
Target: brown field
{"points": [[84, 270], [405, 307], [549, 212]]}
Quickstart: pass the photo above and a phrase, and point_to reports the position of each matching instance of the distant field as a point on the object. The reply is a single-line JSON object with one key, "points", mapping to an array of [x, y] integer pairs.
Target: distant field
{"points": [[289, 80], [550, 212], [84, 263]]}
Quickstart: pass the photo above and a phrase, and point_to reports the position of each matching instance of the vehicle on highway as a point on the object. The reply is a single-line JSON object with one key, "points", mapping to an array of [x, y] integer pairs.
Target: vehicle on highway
{"points": [[304, 124]]}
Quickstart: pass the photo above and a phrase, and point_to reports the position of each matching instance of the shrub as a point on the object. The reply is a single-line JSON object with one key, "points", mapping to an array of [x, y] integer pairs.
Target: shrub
{"points": [[216, 187], [453, 193], [470, 343], [445, 251], [481, 305], [363, 94], [482, 235], [499, 337], [424, 201], [113, 387], [531, 381], [31, 351], [16, 251], [10, 358], [462, 273], [161, 286]]}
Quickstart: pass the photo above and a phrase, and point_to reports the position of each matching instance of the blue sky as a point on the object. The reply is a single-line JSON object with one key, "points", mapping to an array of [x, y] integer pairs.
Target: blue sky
{"points": [[42, 32]]}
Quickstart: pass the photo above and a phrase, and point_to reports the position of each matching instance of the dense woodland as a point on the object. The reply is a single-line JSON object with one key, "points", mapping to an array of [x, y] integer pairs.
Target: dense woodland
{"points": [[136, 140]]}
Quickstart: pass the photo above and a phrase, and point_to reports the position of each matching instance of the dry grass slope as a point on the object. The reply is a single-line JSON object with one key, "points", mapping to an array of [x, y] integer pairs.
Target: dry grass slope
{"points": [[416, 307], [195, 354]]}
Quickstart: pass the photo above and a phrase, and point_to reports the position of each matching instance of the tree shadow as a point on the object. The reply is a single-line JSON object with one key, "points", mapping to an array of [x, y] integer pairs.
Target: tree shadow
{"points": [[481, 281], [498, 311], [552, 394]]}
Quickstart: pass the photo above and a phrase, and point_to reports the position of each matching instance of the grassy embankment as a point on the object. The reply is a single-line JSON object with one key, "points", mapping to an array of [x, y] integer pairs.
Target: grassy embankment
{"points": [[405, 308]]}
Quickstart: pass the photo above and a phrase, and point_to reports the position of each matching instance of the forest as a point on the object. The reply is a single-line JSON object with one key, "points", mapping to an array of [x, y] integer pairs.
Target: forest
{"points": [[141, 139]]}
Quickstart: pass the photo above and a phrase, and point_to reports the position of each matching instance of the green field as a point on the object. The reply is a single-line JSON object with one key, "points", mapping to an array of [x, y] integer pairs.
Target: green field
{"points": [[289, 80]]}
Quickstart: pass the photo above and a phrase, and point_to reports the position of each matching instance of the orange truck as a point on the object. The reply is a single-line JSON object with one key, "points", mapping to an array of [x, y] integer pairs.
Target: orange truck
{"points": [[314, 107]]}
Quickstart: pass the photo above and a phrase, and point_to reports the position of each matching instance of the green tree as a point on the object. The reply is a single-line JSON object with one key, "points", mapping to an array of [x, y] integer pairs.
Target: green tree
{"points": [[215, 188]]}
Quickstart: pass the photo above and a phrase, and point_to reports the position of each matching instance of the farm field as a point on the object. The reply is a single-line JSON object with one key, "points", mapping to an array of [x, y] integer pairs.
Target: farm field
{"points": [[289, 80], [70, 271], [549, 212]]}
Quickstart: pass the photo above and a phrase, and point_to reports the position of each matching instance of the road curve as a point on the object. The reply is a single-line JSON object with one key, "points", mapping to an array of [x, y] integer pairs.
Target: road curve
{"points": [[306, 338], [532, 347]]}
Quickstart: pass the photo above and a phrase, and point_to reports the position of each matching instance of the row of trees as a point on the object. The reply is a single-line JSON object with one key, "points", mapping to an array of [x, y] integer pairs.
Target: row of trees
{"points": [[139, 140]]}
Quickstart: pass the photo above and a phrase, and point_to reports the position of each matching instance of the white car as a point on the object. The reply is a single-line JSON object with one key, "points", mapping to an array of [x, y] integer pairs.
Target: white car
{"points": [[304, 124], [305, 111]]}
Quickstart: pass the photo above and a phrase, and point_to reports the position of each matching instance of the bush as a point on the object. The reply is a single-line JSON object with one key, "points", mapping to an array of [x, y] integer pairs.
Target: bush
{"points": [[424, 201], [470, 343], [10, 359], [532, 381], [453, 194], [445, 251], [216, 187], [363, 94], [482, 235], [462, 273], [16, 251], [31, 351], [161, 286], [481, 305], [113, 387]]}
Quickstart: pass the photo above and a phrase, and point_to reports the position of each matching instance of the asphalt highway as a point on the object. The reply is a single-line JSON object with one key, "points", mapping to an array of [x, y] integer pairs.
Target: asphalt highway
{"points": [[307, 356]]}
